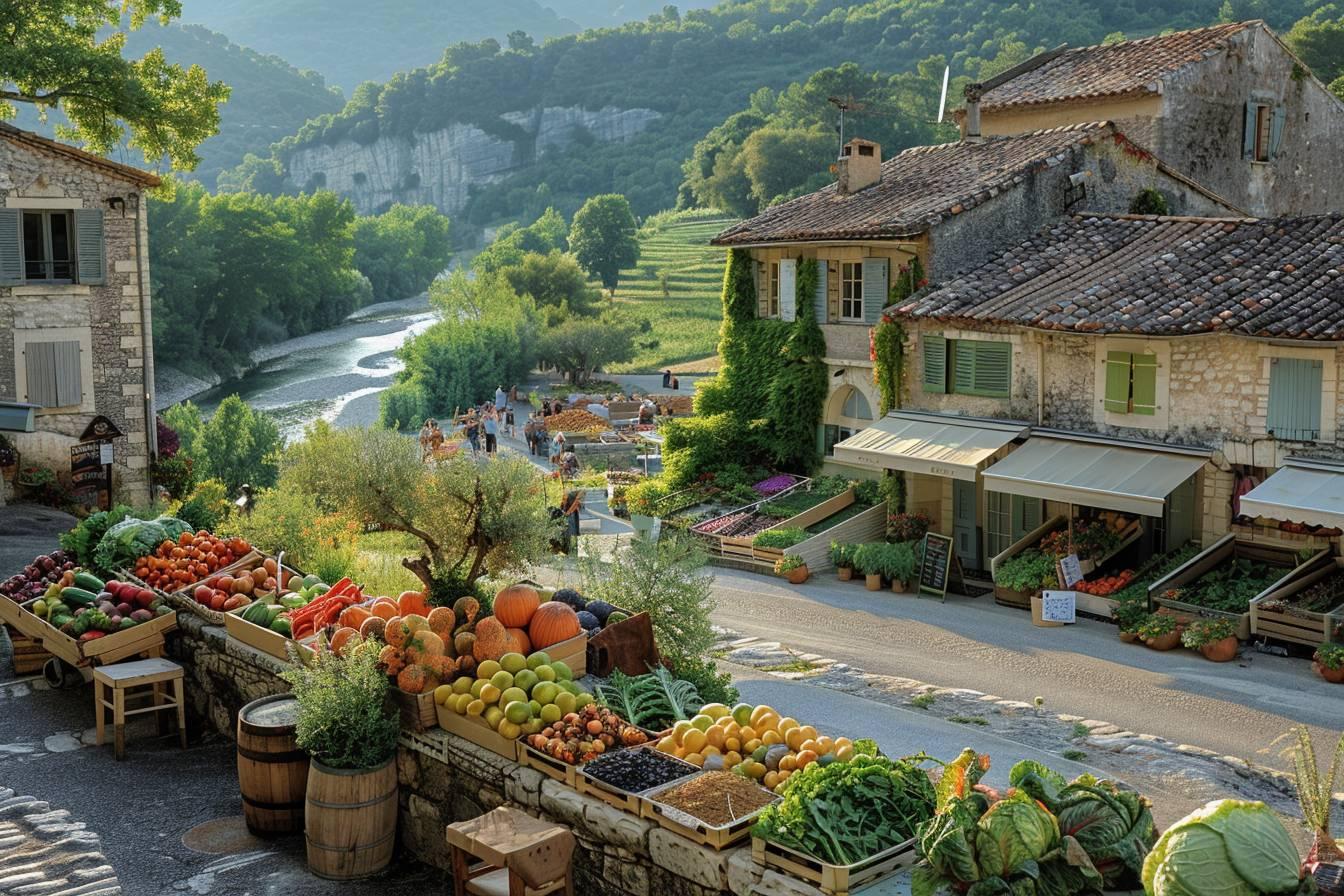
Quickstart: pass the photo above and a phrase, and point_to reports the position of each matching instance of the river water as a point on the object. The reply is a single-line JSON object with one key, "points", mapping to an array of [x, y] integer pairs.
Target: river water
{"points": [[333, 375]]}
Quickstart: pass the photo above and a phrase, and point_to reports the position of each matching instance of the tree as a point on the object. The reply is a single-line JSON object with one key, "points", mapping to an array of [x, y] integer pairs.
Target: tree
{"points": [[402, 250], [546, 234], [785, 163], [60, 54], [581, 346], [602, 238], [1318, 40], [470, 518], [520, 41], [553, 280], [237, 445]]}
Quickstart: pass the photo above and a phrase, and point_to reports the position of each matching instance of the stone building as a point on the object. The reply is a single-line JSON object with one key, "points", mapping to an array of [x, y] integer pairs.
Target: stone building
{"points": [[952, 205], [1147, 364], [75, 335], [1228, 106]]}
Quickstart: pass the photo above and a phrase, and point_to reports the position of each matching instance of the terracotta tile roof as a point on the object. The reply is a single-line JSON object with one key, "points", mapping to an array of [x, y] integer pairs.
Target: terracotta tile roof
{"points": [[919, 187], [134, 175], [1280, 278], [1128, 68]]}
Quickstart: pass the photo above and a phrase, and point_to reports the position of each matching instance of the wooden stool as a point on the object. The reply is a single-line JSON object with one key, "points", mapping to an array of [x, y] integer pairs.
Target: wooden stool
{"points": [[519, 855], [121, 678]]}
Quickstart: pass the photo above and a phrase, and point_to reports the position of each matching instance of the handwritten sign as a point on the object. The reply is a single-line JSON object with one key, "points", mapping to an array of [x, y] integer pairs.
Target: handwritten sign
{"points": [[1070, 571], [1059, 606], [933, 571]]}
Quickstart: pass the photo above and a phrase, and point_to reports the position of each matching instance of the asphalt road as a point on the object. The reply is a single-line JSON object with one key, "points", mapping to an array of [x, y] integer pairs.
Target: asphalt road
{"points": [[1236, 709]]}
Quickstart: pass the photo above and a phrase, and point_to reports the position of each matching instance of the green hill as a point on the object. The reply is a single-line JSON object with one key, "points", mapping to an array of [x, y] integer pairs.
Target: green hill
{"points": [[686, 316]]}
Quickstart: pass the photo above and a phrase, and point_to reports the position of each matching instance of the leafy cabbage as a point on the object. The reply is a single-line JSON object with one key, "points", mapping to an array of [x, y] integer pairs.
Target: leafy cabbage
{"points": [[131, 539], [1227, 848]]}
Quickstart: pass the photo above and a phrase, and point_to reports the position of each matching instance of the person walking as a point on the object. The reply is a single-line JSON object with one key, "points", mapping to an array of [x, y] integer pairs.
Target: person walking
{"points": [[491, 426], [501, 398], [508, 422], [530, 435], [557, 447], [472, 431], [572, 507], [667, 379]]}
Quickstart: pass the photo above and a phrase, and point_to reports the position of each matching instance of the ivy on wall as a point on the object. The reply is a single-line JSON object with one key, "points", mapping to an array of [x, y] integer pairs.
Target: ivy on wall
{"points": [[798, 393], [887, 339]]}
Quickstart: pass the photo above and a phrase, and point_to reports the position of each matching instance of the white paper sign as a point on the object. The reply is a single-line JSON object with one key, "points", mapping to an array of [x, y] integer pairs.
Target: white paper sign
{"points": [[1072, 570], [1058, 606], [105, 453]]}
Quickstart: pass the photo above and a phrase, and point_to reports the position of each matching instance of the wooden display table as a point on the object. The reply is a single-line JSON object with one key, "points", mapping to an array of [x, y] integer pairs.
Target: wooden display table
{"points": [[123, 677], [518, 855]]}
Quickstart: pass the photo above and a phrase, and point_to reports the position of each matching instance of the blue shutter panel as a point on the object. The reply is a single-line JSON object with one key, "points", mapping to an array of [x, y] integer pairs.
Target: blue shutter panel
{"points": [[1295, 399], [39, 364], [89, 246], [1248, 132], [874, 289], [1276, 130], [820, 301], [11, 247]]}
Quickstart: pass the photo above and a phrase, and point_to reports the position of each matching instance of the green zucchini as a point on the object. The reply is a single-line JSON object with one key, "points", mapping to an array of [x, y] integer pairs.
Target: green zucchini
{"points": [[88, 581], [78, 597]]}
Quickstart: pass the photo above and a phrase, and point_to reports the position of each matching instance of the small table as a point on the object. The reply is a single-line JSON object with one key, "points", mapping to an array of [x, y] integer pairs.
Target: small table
{"points": [[123, 677], [518, 855]]}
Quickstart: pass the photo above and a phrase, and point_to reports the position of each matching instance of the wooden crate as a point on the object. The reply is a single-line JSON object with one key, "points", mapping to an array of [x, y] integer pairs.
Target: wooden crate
{"points": [[183, 599], [684, 825], [833, 880], [1018, 600], [555, 769], [29, 656], [417, 710], [624, 799], [573, 652], [263, 639], [144, 639], [1305, 627], [16, 616], [472, 728]]}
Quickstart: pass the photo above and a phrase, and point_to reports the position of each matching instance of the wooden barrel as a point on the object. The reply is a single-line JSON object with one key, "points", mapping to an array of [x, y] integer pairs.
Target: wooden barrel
{"points": [[272, 770], [351, 820]]}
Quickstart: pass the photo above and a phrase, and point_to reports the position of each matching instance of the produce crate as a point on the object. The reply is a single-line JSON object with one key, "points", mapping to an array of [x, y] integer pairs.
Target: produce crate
{"points": [[1306, 627], [263, 639], [417, 710], [16, 616], [573, 652], [1030, 540], [833, 880], [29, 655], [247, 561], [182, 598], [1007, 597], [625, 800], [1223, 550], [692, 828], [555, 769], [482, 735], [144, 638]]}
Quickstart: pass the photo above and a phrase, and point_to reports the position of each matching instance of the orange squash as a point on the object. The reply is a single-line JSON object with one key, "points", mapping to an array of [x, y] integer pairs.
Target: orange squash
{"points": [[492, 640], [515, 605], [385, 608], [552, 623], [522, 643], [441, 621], [416, 679], [354, 617], [344, 638], [373, 628], [413, 602]]}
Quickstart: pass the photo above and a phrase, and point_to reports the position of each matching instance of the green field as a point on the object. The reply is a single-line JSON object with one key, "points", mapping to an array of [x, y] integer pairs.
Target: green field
{"points": [[686, 319]]}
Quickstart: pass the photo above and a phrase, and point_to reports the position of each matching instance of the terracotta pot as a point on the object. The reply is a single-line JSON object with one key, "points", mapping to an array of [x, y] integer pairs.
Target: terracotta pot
{"points": [[1128, 637], [797, 576], [873, 582], [1169, 641], [845, 573], [1220, 651], [898, 586], [1336, 676]]}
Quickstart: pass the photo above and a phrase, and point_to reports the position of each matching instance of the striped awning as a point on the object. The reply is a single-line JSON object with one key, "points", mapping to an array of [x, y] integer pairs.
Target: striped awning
{"points": [[935, 444]]}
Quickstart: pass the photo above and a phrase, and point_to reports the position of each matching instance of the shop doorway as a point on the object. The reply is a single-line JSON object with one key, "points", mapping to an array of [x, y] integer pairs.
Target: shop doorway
{"points": [[964, 523]]}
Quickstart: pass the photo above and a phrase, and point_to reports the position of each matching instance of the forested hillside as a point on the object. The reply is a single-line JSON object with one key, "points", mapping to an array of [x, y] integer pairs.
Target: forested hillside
{"points": [[269, 98], [697, 68]]}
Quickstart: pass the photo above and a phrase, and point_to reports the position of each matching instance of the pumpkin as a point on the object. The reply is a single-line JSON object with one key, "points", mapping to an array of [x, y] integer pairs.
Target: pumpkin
{"points": [[492, 640], [416, 679], [552, 623], [344, 637], [422, 645], [467, 608], [515, 605], [522, 644], [385, 608], [373, 628], [413, 602], [391, 660], [396, 632], [353, 617], [441, 621], [464, 643]]}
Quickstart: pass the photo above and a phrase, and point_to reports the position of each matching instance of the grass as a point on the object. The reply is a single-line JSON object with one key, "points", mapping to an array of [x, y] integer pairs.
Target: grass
{"points": [[969, 720], [378, 563], [801, 667], [686, 319], [1080, 730], [1075, 755], [922, 701]]}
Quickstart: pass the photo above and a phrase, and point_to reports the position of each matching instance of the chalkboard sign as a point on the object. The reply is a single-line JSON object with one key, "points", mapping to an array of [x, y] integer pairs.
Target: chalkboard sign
{"points": [[937, 563]]}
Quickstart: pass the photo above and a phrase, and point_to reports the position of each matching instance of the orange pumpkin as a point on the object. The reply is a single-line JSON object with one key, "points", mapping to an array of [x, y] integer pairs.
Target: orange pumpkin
{"points": [[552, 623], [515, 605], [344, 637], [354, 617], [385, 608], [441, 621], [413, 602], [522, 643]]}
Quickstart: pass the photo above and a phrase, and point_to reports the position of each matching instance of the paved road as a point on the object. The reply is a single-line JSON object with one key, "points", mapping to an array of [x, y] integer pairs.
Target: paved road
{"points": [[1235, 709]]}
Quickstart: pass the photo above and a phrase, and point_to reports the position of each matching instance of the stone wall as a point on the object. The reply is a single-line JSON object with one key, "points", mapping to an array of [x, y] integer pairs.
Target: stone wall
{"points": [[222, 675], [106, 318]]}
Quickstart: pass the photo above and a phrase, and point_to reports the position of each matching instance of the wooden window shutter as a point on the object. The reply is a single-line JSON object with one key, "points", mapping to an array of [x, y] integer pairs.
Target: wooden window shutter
{"points": [[788, 289], [1145, 384], [1118, 365], [762, 289], [39, 364], [11, 247], [1295, 399], [935, 363], [963, 366], [822, 293], [833, 291], [1276, 122], [91, 267], [993, 368], [1248, 132], [874, 289]]}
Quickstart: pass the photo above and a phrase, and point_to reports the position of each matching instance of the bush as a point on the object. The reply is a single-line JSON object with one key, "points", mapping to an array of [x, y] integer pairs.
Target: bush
{"points": [[403, 406], [908, 526], [642, 497], [712, 685], [289, 520], [780, 538], [868, 558], [842, 555], [344, 722], [174, 473]]}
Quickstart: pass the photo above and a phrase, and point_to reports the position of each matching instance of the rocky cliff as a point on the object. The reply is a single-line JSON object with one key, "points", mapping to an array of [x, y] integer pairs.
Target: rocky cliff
{"points": [[438, 167]]}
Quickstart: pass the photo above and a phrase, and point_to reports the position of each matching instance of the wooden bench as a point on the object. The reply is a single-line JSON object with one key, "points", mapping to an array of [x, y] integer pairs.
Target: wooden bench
{"points": [[122, 679]]}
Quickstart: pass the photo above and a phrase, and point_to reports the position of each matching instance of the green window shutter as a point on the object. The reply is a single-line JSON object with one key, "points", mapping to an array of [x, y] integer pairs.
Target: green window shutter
{"points": [[1276, 130], [1248, 132], [89, 246], [832, 293], [11, 247], [935, 363], [1117, 381], [1145, 384], [874, 289], [963, 366], [820, 298], [1295, 399], [993, 368]]}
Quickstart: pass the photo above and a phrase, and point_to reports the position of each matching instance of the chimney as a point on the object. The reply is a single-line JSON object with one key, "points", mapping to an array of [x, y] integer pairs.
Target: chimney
{"points": [[859, 165], [972, 121]]}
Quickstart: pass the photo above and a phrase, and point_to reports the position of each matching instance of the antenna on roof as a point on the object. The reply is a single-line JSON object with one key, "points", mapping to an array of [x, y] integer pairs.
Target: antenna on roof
{"points": [[942, 100], [848, 104]]}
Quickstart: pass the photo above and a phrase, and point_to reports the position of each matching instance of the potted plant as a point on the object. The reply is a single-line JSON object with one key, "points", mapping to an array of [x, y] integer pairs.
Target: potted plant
{"points": [[868, 562], [348, 727], [908, 526], [793, 568], [1128, 615], [1315, 794], [1216, 639], [1159, 631], [898, 565], [1328, 662], [842, 555]]}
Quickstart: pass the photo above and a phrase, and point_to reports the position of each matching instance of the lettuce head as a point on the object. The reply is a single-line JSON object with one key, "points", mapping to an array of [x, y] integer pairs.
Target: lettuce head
{"points": [[1227, 848]]}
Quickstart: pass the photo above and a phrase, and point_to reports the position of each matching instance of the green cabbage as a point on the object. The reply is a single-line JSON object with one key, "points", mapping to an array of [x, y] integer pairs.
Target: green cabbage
{"points": [[1227, 848]]}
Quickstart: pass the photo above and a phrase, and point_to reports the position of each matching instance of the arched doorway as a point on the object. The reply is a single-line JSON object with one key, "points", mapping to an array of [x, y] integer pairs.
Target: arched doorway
{"points": [[847, 411]]}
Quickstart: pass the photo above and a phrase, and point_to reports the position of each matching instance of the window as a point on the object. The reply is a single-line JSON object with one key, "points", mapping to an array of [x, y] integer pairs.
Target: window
{"points": [[47, 246], [1131, 383], [967, 366], [1262, 132], [772, 292], [52, 374], [1295, 393], [833, 434], [851, 290], [1008, 519], [856, 406]]}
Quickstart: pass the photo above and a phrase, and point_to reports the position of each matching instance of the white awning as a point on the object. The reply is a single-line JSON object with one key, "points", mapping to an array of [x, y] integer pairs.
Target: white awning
{"points": [[928, 443], [1131, 480], [1300, 493]]}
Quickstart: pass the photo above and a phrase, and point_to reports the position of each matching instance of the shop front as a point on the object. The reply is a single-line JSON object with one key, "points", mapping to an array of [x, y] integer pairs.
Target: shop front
{"points": [[942, 458]]}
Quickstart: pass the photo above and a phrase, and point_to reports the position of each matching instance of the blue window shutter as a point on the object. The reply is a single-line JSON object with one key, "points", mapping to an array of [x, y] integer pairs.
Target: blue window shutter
{"points": [[1295, 399], [11, 247], [39, 363], [935, 363], [1276, 130], [89, 246], [820, 305], [1248, 132], [874, 289]]}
